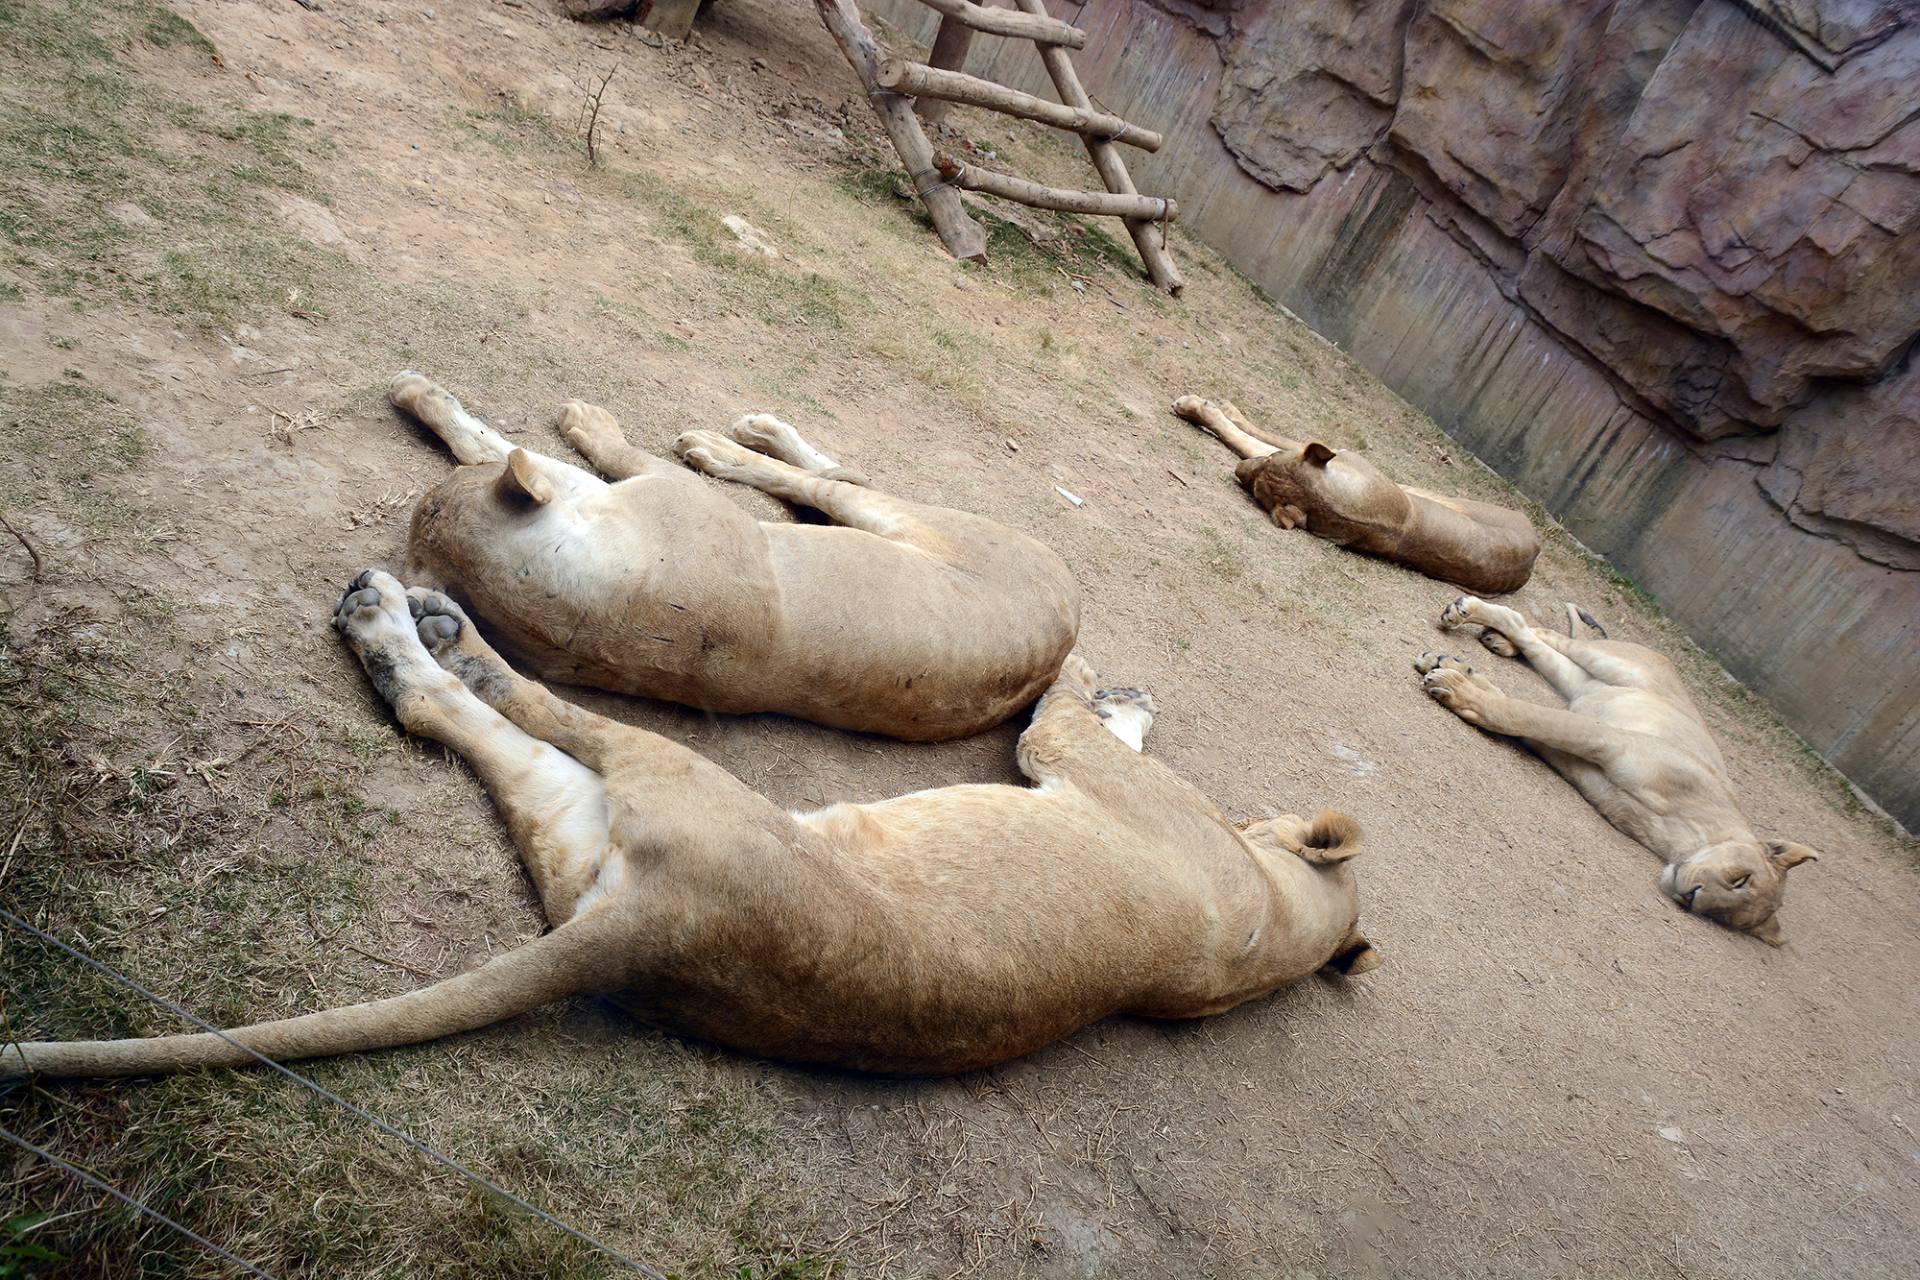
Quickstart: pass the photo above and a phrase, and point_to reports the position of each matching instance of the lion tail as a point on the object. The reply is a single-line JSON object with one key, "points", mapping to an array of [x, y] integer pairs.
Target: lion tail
{"points": [[1577, 615], [549, 968]]}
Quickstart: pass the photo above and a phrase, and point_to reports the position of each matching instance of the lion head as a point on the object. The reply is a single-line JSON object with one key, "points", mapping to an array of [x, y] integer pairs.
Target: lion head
{"points": [[1337, 496], [1740, 883]]}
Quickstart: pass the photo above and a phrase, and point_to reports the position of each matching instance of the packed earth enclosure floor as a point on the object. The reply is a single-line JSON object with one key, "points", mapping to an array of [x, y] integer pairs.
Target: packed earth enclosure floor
{"points": [[224, 226]]}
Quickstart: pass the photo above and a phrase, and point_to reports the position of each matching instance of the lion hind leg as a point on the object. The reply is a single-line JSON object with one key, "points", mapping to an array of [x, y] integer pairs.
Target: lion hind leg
{"points": [[764, 433], [1543, 653], [844, 503], [1620, 663]]}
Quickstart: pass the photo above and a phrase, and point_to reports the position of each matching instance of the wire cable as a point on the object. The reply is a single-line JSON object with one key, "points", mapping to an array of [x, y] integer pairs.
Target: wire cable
{"points": [[147, 1209]]}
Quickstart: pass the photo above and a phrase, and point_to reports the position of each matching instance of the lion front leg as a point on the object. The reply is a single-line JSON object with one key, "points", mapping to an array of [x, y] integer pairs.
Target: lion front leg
{"points": [[764, 433], [1225, 424], [597, 435], [453, 641]]}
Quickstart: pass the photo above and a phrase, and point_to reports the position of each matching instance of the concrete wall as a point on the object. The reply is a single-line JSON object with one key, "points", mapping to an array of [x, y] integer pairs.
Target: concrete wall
{"points": [[1830, 638]]}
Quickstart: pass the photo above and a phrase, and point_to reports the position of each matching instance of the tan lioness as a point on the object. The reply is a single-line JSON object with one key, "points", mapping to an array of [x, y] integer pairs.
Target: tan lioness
{"points": [[908, 620], [1341, 497], [937, 932], [1637, 748]]}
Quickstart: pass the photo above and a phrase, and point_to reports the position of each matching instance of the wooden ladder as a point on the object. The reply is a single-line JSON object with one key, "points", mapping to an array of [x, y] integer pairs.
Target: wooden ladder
{"points": [[893, 84]]}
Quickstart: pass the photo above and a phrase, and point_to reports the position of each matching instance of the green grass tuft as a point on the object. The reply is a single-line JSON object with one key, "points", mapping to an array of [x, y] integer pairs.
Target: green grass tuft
{"points": [[113, 185]]}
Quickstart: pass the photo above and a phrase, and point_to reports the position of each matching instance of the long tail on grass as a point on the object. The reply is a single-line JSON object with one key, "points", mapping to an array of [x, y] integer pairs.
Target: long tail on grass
{"points": [[550, 968]]}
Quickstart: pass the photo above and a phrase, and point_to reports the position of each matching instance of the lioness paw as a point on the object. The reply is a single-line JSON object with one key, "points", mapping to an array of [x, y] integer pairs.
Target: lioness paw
{"points": [[407, 386], [372, 611], [1460, 612], [1498, 644], [587, 426], [1452, 689], [438, 620], [767, 434], [1431, 661], [714, 454]]}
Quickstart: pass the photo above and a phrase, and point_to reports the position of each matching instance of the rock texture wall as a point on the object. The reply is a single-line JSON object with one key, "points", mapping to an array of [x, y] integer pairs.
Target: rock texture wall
{"points": [[1657, 261]]}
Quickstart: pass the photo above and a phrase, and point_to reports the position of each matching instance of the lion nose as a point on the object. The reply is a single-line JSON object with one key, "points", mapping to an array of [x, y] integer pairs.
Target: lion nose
{"points": [[1686, 899]]}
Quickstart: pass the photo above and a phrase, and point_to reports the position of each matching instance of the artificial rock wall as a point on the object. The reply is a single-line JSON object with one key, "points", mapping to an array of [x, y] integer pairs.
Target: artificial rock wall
{"points": [[1656, 261]]}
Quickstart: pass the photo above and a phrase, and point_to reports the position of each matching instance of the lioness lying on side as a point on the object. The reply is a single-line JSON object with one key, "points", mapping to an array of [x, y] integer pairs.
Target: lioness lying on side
{"points": [[937, 932], [908, 620], [1342, 498], [1636, 747]]}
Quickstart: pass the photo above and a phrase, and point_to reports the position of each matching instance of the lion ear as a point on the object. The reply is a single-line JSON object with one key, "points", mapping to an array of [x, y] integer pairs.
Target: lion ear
{"points": [[1768, 931], [1785, 855], [1328, 838], [1288, 516], [521, 478], [1354, 957], [1318, 454]]}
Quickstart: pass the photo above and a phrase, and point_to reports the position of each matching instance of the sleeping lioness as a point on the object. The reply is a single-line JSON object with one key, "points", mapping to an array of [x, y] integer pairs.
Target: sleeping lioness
{"points": [[936, 932], [903, 619], [1342, 497], [1636, 747]]}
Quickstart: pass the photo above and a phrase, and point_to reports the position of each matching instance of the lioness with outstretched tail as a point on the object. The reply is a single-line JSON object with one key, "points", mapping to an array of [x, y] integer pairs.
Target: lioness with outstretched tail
{"points": [[937, 932]]}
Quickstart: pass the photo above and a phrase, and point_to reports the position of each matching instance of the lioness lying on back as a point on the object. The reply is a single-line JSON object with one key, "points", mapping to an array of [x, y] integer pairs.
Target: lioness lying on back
{"points": [[1342, 498], [937, 932], [902, 619], [1637, 748]]}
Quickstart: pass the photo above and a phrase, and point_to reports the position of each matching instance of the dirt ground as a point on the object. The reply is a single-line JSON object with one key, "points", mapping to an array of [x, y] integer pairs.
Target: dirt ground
{"points": [[221, 240]]}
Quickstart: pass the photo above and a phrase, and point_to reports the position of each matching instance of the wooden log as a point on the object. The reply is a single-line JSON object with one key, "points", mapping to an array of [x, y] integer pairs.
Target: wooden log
{"points": [[1008, 187], [1042, 28], [949, 53], [965, 239], [1148, 238], [922, 81]]}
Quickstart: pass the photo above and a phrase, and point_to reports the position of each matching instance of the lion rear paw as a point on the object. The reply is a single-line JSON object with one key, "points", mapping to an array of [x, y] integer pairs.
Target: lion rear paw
{"points": [[1496, 643], [1431, 661], [715, 455], [1454, 689], [1460, 612], [439, 621]]}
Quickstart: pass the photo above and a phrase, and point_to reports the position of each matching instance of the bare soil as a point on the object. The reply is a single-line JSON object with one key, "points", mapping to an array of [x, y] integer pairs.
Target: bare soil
{"points": [[1555, 1073]]}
